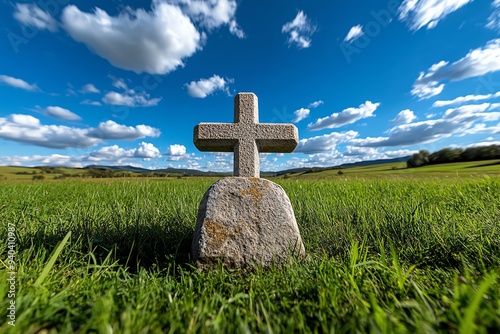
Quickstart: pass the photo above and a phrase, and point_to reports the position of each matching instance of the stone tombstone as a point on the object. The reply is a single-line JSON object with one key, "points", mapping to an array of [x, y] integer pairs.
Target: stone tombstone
{"points": [[245, 221]]}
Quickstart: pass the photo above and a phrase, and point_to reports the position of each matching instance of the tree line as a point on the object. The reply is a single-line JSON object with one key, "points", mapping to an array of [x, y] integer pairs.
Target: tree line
{"points": [[447, 155]]}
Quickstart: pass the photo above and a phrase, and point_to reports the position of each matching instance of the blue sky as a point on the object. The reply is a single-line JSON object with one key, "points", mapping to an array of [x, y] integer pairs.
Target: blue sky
{"points": [[125, 82]]}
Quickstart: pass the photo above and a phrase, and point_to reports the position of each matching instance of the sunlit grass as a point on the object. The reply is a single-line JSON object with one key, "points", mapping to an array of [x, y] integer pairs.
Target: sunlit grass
{"points": [[387, 255]]}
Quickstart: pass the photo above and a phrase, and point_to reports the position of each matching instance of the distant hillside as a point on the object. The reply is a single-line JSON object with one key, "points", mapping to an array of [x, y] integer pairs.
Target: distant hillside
{"points": [[349, 165], [190, 172]]}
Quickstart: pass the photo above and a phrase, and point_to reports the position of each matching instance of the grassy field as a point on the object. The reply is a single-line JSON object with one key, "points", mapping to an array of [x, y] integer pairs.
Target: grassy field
{"points": [[401, 255]]}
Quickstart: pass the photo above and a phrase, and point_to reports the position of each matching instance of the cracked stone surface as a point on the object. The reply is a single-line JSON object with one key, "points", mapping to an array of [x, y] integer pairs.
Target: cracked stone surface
{"points": [[245, 222], [246, 137]]}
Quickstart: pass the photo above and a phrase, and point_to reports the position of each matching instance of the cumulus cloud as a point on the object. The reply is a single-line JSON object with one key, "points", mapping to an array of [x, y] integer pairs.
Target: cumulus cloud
{"points": [[360, 151], [176, 149], [32, 15], [324, 143], [405, 116], [347, 116], [130, 98], [61, 113], [27, 129], [18, 83], [465, 99], [427, 13], [300, 114], [353, 34], [109, 154], [117, 154], [115, 131], [476, 63], [299, 30], [204, 87], [454, 121], [155, 41], [89, 88]]}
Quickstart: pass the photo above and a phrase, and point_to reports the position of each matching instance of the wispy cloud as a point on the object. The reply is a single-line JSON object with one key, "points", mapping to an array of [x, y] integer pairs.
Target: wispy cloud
{"points": [[32, 15], [61, 113], [89, 88], [476, 63], [455, 121], [465, 99], [347, 116], [301, 114], [18, 83], [427, 13], [354, 33], [299, 30]]}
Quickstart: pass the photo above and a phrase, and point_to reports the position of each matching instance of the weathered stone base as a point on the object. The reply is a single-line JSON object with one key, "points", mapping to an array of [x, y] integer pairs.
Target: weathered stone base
{"points": [[244, 222]]}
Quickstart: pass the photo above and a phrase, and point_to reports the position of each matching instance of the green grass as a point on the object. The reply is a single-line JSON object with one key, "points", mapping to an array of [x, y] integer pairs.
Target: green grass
{"points": [[385, 255], [398, 169]]}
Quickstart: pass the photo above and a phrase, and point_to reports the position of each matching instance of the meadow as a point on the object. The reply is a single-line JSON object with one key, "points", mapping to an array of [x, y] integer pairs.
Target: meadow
{"points": [[393, 254]]}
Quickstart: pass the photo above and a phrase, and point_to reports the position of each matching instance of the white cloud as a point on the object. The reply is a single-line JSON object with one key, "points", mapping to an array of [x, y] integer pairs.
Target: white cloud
{"points": [[405, 116], [347, 116], [236, 30], [89, 88], [147, 151], [482, 129], [360, 151], [176, 150], [32, 15], [427, 13], [301, 114], [486, 143], [115, 131], [454, 121], [353, 34], [91, 103], [113, 155], [300, 31], [204, 87], [61, 113], [476, 63], [212, 14], [28, 130], [494, 19], [465, 99], [38, 160], [324, 143], [155, 41], [130, 98], [315, 104], [18, 83], [119, 83], [117, 154]]}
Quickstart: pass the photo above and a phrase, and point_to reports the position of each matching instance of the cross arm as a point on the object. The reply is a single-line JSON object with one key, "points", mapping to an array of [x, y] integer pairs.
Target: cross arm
{"points": [[216, 137], [280, 138]]}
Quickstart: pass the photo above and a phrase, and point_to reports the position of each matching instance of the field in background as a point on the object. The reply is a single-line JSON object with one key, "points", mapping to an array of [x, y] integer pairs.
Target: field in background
{"points": [[385, 255], [390, 170]]}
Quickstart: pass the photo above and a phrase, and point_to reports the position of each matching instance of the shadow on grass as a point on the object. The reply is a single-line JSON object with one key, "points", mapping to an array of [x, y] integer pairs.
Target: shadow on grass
{"points": [[485, 165], [141, 246]]}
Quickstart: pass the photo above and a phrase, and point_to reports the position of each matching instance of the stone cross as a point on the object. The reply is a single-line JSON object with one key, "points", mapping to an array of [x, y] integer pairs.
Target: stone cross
{"points": [[246, 137]]}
